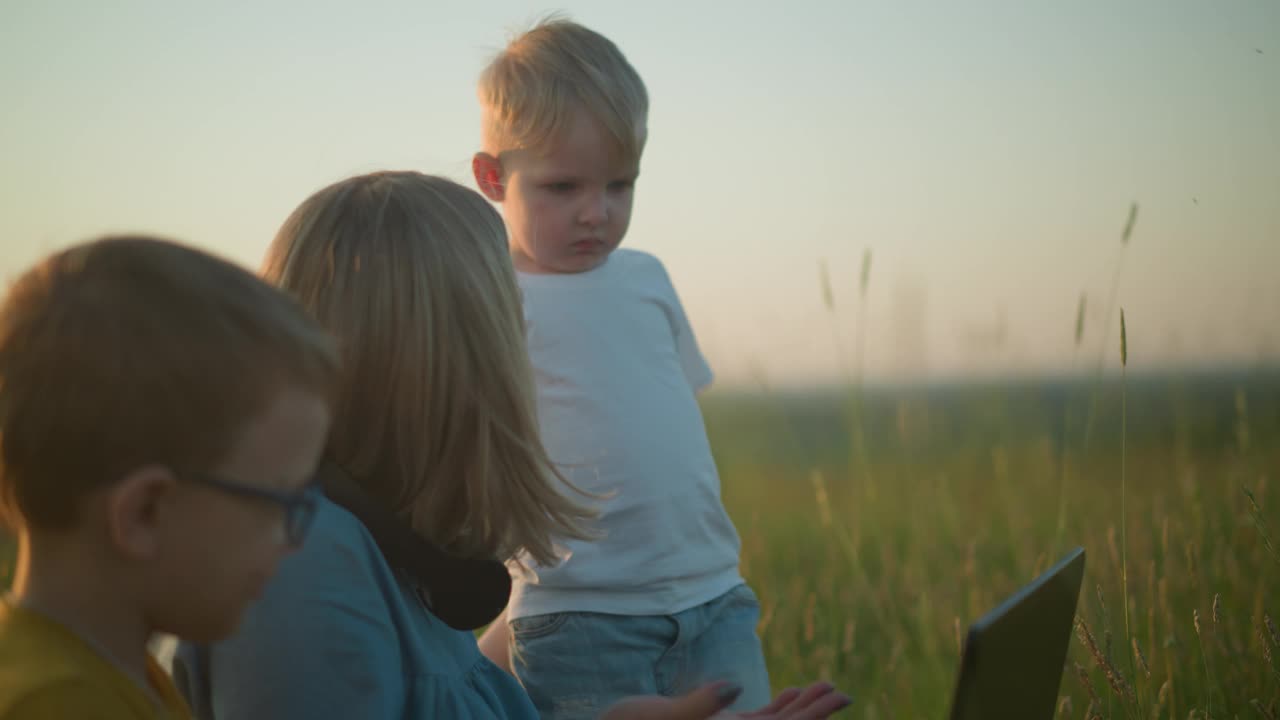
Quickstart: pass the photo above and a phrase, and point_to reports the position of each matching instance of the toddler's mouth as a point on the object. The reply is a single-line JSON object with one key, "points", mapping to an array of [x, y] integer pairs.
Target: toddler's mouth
{"points": [[589, 245]]}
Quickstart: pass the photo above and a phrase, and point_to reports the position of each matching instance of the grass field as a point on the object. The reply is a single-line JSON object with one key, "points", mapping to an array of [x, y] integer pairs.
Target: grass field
{"points": [[869, 564]]}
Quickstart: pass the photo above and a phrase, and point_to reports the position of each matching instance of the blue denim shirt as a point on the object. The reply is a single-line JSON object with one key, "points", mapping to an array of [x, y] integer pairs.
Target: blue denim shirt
{"points": [[338, 634]]}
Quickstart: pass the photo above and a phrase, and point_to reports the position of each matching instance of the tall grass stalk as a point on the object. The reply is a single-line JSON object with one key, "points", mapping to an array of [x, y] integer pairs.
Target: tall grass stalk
{"points": [[1124, 536], [859, 437], [848, 541], [829, 302], [1111, 307], [1208, 677], [1260, 523], [852, 376], [1066, 431], [864, 280]]}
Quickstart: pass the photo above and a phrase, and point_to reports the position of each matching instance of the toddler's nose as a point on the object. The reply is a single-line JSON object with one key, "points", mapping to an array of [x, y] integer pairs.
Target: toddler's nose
{"points": [[595, 211]]}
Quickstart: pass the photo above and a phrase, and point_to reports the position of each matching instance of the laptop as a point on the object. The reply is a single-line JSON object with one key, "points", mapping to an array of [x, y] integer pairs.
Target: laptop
{"points": [[1013, 656]]}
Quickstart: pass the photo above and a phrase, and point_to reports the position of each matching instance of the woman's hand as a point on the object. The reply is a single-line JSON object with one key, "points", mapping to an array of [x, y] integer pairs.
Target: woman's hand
{"points": [[815, 702]]}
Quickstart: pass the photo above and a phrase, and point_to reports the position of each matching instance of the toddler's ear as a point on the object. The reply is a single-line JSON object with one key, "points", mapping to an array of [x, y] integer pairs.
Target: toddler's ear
{"points": [[488, 172]]}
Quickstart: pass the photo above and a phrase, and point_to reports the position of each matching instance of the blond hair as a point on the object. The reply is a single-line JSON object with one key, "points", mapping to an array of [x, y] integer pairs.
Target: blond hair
{"points": [[531, 88], [435, 413], [130, 351]]}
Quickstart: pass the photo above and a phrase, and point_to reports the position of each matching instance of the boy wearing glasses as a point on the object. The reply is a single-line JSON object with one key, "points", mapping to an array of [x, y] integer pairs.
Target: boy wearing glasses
{"points": [[161, 416]]}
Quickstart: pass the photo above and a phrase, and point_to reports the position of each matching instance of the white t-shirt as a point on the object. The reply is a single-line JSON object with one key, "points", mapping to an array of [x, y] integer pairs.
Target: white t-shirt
{"points": [[617, 371]]}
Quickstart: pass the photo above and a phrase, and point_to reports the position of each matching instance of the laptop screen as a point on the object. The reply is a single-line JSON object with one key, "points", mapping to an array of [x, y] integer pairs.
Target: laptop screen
{"points": [[1014, 655]]}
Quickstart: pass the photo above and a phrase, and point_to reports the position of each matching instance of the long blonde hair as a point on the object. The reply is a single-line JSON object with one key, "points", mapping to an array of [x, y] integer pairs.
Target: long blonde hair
{"points": [[435, 410]]}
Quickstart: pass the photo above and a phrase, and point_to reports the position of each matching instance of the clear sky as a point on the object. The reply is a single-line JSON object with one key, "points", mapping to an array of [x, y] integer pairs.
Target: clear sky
{"points": [[986, 152]]}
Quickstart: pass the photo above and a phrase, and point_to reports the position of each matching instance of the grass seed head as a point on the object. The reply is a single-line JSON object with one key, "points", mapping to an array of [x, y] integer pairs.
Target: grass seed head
{"points": [[1142, 659], [1080, 320], [1124, 342], [824, 277], [1128, 225], [864, 279]]}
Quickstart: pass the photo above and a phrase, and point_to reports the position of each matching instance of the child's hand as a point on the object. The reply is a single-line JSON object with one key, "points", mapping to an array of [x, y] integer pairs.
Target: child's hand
{"points": [[815, 702]]}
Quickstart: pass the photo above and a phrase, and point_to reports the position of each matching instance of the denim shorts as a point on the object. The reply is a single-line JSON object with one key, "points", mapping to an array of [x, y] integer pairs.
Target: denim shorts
{"points": [[576, 664]]}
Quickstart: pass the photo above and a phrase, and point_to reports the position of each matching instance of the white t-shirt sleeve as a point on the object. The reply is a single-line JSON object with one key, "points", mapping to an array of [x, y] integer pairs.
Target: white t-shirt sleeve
{"points": [[696, 369]]}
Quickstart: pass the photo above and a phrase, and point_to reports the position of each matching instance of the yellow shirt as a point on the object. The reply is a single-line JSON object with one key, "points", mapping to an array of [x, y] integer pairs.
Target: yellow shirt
{"points": [[47, 672]]}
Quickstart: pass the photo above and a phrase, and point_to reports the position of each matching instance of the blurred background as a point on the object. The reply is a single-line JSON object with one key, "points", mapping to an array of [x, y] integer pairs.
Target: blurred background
{"points": [[987, 153], [903, 232]]}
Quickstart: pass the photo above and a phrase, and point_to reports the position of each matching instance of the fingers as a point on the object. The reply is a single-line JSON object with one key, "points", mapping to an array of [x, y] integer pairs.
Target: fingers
{"points": [[816, 701], [809, 695], [704, 702], [811, 703], [785, 698]]}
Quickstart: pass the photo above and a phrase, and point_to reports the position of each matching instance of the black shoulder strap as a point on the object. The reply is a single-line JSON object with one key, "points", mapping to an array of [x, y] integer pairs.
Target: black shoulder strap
{"points": [[465, 593]]}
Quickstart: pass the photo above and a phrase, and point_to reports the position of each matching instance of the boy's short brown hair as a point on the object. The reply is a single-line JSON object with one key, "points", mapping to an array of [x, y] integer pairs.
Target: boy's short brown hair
{"points": [[128, 351], [530, 90]]}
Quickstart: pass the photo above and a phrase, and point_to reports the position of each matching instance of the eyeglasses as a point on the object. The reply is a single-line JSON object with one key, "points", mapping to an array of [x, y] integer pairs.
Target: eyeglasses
{"points": [[299, 507]]}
